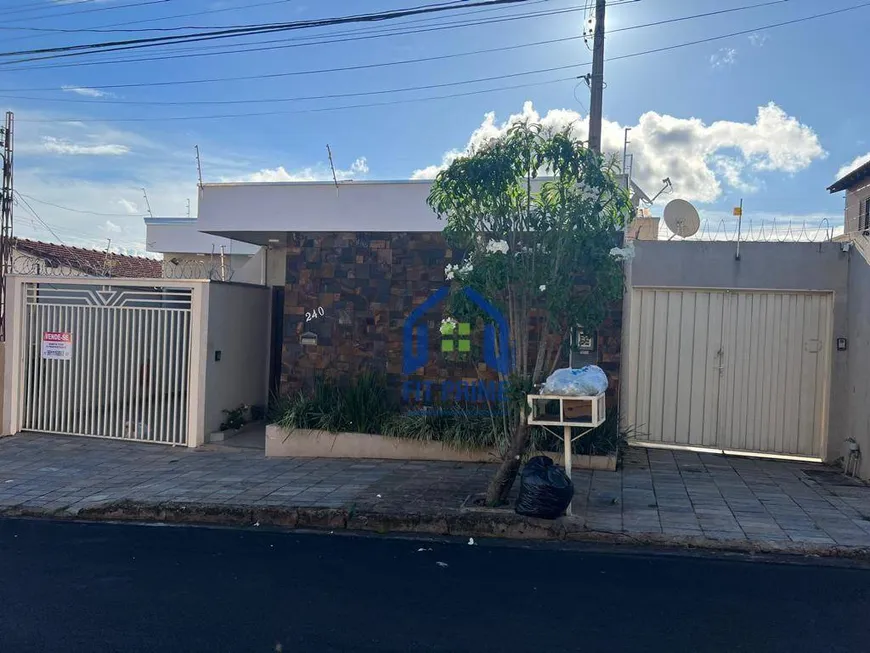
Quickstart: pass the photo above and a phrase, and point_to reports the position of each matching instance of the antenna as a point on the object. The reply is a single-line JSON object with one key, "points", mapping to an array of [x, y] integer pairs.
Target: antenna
{"points": [[198, 165], [106, 268], [682, 218], [668, 186], [147, 203], [332, 167], [625, 149]]}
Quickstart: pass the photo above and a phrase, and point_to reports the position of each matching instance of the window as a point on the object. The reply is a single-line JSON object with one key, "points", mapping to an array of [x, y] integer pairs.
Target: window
{"points": [[864, 216]]}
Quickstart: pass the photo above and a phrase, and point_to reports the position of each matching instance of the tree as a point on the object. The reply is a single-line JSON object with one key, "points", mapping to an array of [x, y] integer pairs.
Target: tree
{"points": [[538, 216]]}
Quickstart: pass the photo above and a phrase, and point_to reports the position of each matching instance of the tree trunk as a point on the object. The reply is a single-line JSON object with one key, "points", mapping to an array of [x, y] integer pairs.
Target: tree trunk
{"points": [[503, 480]]}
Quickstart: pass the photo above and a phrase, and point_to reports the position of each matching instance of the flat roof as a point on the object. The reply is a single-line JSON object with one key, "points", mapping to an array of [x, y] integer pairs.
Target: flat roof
{"points": [[346, 182], [851, 179]]}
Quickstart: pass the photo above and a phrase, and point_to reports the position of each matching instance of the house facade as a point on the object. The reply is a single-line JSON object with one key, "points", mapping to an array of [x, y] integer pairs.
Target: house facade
{"points": [[856, 184], [348, 265]]}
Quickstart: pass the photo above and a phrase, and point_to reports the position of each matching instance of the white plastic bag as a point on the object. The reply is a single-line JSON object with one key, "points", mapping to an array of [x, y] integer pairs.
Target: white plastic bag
{"points": [[587, 381]]}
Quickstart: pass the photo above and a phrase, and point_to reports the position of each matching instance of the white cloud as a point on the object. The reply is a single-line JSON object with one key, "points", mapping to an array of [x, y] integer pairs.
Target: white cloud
{"points": [[128, 206], [849, 167], [724, 57], [360, 166], [758, 39], [731, 169], [65, 147], [86, 91], [449, 157], [111, 227], [687, 150], [320, 172]]}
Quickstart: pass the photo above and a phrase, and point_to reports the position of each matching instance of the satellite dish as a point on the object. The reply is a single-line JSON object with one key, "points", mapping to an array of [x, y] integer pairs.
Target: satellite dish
{"points": [[682, 218]]}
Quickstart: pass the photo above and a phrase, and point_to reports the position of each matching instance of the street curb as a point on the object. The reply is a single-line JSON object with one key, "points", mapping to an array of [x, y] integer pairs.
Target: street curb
{"points": [[479, 523]]}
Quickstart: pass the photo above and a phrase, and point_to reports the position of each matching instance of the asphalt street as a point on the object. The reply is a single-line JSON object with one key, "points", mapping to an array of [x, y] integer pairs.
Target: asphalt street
{"points": [[104, 587]]}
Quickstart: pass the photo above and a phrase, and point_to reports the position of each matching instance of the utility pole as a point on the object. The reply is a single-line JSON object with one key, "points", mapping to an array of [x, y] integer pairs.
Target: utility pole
{"points": [[7, 142], [597, 80]]}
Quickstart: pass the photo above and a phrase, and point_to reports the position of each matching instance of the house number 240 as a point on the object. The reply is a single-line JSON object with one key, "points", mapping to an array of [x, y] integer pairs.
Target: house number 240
{"points": [[313, 315]]}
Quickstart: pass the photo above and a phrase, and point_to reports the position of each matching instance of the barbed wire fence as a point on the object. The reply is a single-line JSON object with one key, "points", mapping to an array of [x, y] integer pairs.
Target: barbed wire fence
{"points": [[52, 267], [759, 231], [201, 269]]}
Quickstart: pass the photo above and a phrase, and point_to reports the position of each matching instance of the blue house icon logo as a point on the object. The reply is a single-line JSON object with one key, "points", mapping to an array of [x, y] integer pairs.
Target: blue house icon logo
{"points": [[496, 347]]}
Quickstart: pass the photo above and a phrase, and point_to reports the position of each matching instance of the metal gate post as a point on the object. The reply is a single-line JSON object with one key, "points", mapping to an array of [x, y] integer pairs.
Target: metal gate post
{"points": [[13, 395]]}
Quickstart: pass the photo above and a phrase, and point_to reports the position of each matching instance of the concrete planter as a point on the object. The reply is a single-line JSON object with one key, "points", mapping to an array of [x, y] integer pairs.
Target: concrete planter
{"points": [[579, 461], [308, 443]]}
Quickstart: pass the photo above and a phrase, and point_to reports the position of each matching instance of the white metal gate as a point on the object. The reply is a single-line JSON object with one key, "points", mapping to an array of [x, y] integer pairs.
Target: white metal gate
{"points": [[106, 360], [731, 370]]}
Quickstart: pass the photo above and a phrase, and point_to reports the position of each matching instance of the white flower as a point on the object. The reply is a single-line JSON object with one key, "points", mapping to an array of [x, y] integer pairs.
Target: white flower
{"points": [[499, 246], [542, 287], [448, 325], [466, 268], [450, 271], [623, 253]]}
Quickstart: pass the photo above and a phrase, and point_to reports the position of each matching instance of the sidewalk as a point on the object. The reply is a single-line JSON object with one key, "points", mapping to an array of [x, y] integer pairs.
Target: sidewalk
{"points": [[659, 496]]}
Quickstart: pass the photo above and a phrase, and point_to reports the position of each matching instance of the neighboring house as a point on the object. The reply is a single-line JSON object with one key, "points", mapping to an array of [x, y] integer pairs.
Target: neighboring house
{"points": [[50, 259], [857, 187], [189, 253]]}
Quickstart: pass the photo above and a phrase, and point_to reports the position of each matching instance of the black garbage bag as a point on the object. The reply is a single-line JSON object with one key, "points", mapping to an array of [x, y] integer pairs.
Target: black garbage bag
{"points": [[545, 489]]}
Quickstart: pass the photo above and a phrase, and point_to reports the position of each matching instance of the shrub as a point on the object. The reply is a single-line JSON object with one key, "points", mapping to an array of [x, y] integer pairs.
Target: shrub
{"points": [[362, 406], [236, 418], [459, 427]]}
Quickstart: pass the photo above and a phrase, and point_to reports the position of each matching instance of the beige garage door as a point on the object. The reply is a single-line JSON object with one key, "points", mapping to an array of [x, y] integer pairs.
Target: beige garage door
{"points": [[730, 370]]}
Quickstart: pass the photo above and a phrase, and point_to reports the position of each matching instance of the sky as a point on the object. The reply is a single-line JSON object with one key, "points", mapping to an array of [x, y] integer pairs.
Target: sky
{"points": [[768, 114]]}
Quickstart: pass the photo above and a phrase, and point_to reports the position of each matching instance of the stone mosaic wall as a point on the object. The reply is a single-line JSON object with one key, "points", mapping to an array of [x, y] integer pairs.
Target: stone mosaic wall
{"points": [[366, 285]]}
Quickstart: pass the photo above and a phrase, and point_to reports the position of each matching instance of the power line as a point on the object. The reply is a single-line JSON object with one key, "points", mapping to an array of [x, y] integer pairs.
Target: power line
{"points": [[73, 233], [399, 62], [309, 41], [337, 69], [31, 210], [106, 29], [314, 109], [249, 30], [334, 96], [66, 208], [53, 228], [73, 13], [38, 6], [430, 98]]}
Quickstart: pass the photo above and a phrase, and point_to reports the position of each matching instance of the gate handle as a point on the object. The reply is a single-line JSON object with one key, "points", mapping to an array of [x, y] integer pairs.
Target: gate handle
{"points": [[813, 346]]}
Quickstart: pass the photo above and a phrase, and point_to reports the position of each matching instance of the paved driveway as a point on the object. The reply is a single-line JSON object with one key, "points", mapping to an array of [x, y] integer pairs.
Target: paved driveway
{"points": [[659, 492]]}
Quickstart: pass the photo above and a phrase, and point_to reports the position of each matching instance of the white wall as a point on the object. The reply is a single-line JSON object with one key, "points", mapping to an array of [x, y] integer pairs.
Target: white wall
{"points": [[183, 236], [238, 327], [317, 206], [769, 266]]}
